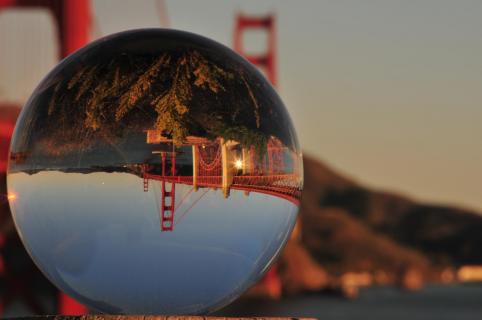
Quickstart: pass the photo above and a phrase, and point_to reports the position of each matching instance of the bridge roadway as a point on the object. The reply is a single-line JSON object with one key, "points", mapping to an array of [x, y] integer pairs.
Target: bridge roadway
{"points": [[285, 186]]}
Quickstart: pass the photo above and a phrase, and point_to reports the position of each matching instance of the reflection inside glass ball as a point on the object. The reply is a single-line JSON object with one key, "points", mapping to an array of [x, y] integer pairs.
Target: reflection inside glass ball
{"points": [[154, 171]]}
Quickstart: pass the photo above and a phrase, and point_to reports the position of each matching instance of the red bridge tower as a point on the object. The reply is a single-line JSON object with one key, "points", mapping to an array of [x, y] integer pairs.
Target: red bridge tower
{"points": [[267, 60]]}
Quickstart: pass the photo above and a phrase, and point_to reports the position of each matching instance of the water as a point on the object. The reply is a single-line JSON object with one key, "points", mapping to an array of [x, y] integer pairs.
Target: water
{"points": [[454, 302]]}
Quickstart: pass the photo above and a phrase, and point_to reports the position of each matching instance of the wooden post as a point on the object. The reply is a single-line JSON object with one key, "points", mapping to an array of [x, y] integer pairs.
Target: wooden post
{"points": [[195, 165], [227, 167]]}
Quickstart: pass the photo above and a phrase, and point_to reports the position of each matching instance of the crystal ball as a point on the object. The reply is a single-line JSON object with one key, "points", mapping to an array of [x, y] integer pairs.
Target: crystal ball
{"points": [[154, 172]]}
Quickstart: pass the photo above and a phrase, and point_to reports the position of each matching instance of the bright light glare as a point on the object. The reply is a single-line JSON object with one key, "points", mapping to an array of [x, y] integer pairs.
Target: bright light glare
{"points": [[238, 164], [12, 196]]}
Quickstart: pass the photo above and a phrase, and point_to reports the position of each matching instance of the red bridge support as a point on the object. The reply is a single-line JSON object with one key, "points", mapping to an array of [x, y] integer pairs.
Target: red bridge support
{"points": [[168, 197], [73, 20], [267, 60], [145, 168], [168, 202], [72, 17]]}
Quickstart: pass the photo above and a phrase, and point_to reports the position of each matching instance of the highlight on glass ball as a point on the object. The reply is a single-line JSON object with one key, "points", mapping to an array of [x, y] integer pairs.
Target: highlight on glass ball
{"points": [[154, 171]]}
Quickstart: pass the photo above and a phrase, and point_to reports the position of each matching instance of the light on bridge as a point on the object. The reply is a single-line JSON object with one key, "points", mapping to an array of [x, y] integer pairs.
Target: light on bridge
{"points": [[11, 196], [238, 164]]}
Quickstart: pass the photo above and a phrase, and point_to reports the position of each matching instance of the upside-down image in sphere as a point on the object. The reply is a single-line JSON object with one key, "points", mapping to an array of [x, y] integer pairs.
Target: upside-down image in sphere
{"points": [[154, 171]]}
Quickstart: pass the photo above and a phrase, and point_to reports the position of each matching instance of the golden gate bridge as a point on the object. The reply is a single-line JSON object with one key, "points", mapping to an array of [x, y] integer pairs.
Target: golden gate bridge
{"points": [[224, 165]]}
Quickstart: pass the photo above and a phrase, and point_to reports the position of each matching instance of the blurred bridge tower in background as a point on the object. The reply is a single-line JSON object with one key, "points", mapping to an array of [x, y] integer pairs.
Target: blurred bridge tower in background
{"points": [[266, 61], [73, 21]]}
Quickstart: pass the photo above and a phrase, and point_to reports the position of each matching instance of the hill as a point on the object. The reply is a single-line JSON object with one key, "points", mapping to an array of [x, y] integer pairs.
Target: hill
{"points": [[445, 235], [370, 236]]}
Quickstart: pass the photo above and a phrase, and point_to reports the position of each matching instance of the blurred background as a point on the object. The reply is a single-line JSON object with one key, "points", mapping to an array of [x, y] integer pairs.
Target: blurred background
{"points": [[386, 99]]}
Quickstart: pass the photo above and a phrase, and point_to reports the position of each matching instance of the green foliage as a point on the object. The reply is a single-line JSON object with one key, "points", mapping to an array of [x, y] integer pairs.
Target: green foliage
{"points": [[140, 88], [110, 98], [246, 137]]}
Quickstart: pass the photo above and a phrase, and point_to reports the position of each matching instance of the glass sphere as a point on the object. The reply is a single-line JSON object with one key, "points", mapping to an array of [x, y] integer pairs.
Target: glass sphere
{"points": [[154, 171]]}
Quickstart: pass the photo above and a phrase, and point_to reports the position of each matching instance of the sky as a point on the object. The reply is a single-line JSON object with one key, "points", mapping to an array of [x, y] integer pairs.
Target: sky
{"points": [[221, 245], [387, 92]]}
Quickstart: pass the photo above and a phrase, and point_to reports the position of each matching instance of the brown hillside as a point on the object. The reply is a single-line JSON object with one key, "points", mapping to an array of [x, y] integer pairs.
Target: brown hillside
{"points": [[344, 220]]}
